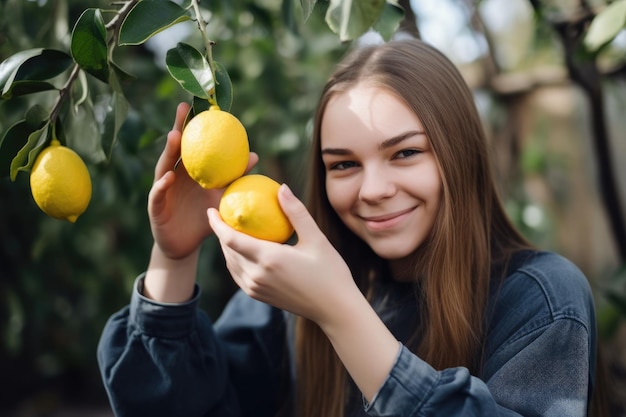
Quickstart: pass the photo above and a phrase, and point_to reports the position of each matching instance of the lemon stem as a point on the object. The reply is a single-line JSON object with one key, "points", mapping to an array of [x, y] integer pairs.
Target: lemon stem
{"points": [[55, 140], [116, 22], [64, 93], [208, 44]]}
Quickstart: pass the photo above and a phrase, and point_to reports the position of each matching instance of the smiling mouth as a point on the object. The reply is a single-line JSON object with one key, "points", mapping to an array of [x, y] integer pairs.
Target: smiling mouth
{"points": [[385, 221]]}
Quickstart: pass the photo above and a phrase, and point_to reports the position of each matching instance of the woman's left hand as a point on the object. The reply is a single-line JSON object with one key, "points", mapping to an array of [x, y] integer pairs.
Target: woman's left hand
{"points": [[307, 279]]}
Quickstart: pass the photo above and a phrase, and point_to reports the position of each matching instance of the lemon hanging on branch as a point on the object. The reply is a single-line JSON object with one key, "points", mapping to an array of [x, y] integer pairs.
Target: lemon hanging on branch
{"points": [[60, 182], [250, 205], [214, 148]]}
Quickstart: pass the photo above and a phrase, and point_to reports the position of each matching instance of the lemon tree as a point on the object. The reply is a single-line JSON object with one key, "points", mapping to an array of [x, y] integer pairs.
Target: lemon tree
{"points": [[93, 132]]}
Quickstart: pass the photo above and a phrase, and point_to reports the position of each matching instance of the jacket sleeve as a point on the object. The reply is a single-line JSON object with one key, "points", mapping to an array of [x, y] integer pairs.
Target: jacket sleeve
{"points": [[161, 359], [544, 374], [539, 356]]}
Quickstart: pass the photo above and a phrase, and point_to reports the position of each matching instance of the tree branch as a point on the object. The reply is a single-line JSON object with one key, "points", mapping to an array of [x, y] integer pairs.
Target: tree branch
{"points": [[583, 70]]}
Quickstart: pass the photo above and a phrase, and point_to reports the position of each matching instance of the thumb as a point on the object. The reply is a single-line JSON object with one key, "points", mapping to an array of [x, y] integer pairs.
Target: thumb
{"points": [[157, 197], [300, 218]]}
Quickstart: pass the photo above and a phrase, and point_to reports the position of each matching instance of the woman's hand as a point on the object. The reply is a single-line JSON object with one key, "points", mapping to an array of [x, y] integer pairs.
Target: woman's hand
{"points": [[177, 211], [177, 204], [312, 280], [305, 279]]}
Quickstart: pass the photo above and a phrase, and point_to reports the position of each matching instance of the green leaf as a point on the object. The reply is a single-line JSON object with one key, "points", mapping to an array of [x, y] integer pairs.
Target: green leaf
{"points": [[121, 74], [81, 131], [148, 18], [48, 64], [352, 18], [190, 68], [58, 132], [88, 44], [80, 89], [26, 156], [32, 65], [606, 25], [389, 20], [223, 92], [116, 113], [14, 139], [198, 106], [224, 88], [36, 116], [10, 66], [22, 88], [288, 16], [307, 8], [23, 141]]}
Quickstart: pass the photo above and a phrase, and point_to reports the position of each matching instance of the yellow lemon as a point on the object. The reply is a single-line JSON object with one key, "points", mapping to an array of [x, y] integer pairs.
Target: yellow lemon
{"points": [[214, 148], [60, 182], [250, 205]]}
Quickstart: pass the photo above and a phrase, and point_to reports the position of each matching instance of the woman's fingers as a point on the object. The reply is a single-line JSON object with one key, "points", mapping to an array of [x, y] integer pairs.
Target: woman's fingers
{"points": [[181, 114], [238, 248], [157, 196], [252, 161], [229, 237], [169, 156], [300, 218]]}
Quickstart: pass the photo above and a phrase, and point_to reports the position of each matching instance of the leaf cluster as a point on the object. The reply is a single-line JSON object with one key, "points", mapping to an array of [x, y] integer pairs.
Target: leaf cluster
{"points": [[73, 118]]}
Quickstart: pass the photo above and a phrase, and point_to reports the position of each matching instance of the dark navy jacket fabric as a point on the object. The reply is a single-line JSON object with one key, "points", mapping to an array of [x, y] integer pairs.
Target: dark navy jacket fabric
{"points": [[169, 359]]}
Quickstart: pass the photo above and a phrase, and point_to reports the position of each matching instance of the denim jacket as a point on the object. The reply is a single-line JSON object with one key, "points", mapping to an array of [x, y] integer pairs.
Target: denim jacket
{"points": [[539, 359]]}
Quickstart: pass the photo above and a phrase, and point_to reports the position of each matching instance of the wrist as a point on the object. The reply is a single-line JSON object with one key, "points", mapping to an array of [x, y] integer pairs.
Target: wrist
{"points": [[170, 280], [341, 314], [366, 347]]}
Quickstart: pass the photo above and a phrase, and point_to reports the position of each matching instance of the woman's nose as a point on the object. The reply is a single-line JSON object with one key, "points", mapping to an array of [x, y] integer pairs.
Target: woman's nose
{"points": [[376, 185]]}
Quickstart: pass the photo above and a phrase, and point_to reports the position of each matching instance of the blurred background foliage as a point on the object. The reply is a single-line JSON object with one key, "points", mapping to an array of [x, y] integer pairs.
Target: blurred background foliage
{"points": [[59, 282]]}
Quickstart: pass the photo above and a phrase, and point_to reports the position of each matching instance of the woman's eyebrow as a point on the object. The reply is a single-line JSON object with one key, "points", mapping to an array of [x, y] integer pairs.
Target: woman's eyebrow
{"points": [[336, 151], [387, 143]]}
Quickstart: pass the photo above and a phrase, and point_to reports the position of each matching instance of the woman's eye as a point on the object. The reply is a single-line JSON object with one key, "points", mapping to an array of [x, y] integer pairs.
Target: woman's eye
{"points": [[407, 153], [341, 166]]}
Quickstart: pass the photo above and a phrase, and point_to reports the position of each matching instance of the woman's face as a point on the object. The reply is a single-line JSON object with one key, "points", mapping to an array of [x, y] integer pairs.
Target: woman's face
{"points": [[382, 177]]}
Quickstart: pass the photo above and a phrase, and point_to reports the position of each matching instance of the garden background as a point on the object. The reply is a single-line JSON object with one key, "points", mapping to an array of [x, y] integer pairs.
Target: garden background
{"points": [[553, 104]]}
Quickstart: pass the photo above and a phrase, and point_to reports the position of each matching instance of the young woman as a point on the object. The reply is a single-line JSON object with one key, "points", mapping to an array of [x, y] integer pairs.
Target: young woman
{"points": [[408, 292]]}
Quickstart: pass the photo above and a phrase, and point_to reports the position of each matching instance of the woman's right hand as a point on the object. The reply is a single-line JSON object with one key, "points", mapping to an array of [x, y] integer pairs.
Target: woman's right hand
{"points": [[177, 205]]}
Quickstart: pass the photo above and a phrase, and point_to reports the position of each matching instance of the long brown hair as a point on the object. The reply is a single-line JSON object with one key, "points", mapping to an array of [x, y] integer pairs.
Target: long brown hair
{"points": [[470, 234]]}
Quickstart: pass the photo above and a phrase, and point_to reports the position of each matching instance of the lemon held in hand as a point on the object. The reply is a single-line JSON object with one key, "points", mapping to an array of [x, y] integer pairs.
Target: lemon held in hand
{"points": [[250, 205], [214, 148], [60, 182]]}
